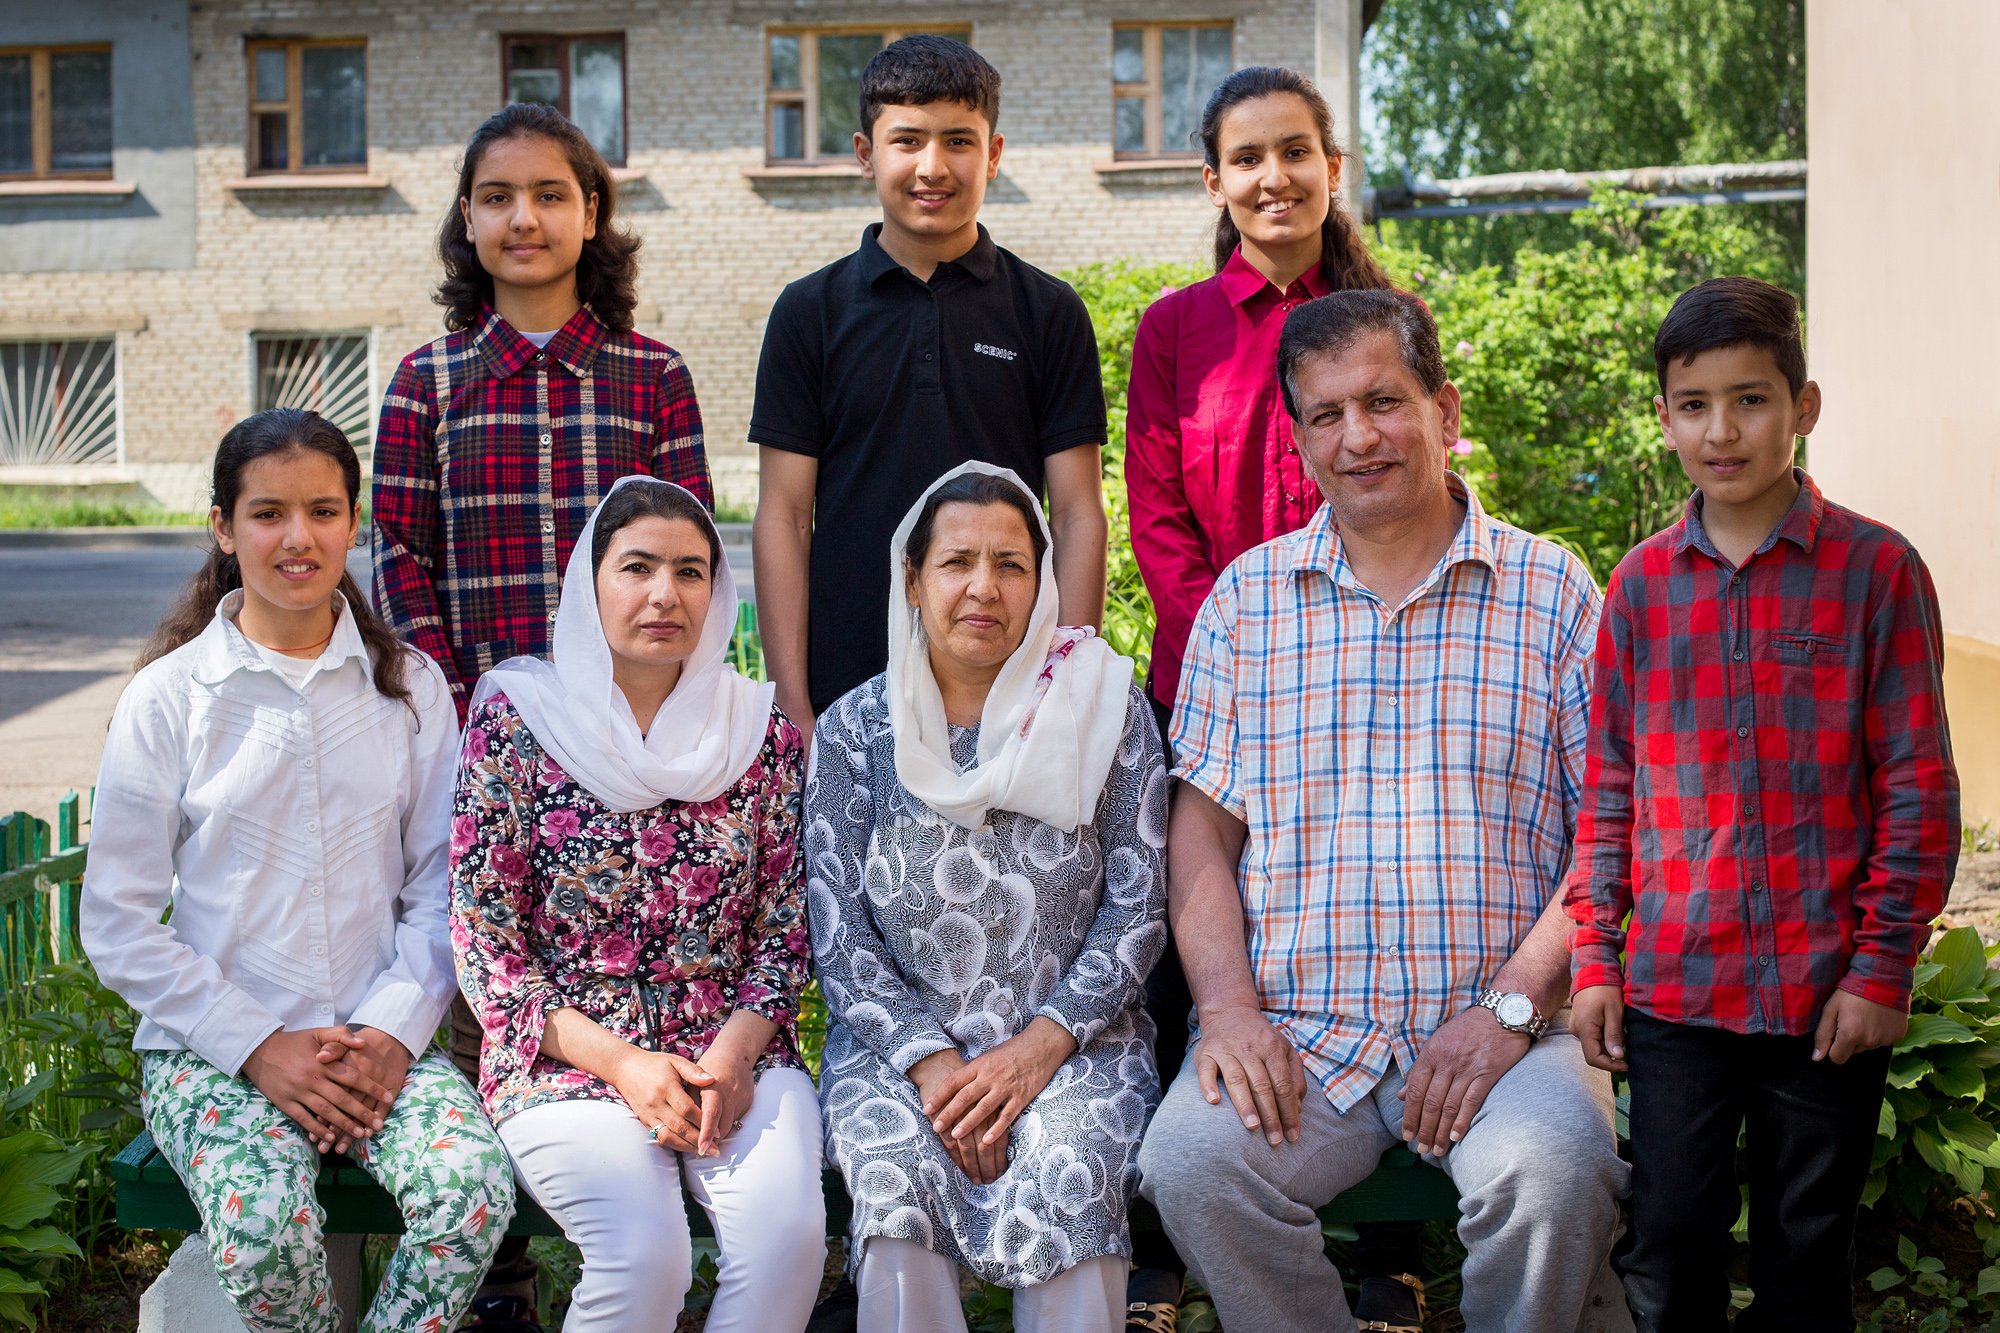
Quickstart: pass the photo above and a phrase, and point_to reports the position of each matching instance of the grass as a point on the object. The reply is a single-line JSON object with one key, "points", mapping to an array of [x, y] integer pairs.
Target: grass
{"points": [[38, 511]]}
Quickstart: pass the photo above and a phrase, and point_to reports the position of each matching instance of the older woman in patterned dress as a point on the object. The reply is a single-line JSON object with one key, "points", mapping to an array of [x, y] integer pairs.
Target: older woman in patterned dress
{"points": [[627, 915], [984, 828]]}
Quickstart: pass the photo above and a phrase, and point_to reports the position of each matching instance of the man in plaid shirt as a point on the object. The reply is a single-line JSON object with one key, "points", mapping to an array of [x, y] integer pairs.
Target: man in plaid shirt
{"points": [[1379, 742], [1770, 800]]}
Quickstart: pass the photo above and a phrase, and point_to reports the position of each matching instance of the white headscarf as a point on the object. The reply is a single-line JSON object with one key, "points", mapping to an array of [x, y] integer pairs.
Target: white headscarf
{"points": [[704, 736], [1051, 723]]}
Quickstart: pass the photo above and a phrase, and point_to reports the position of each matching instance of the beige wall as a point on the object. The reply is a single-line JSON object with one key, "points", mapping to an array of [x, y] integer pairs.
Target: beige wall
{"points": [[719, 246], [1903, 332]]}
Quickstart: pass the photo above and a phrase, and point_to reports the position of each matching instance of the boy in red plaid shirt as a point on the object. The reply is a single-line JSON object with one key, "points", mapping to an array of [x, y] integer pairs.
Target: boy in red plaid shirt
{"points": [[1770, 800]]}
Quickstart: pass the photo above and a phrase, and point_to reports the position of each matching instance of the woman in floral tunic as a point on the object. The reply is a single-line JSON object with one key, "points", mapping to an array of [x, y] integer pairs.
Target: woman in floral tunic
{"points": [[627, 919], [985, 823]]}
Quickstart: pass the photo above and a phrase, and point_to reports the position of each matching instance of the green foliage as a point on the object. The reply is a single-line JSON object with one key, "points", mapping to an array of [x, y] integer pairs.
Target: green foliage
{"points": [[1938, 1121], [35, 1167], [33, 509], [1465, 87]]}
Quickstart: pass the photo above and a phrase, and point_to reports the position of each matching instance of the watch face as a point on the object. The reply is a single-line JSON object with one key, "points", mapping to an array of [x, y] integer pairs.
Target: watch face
{"points": [[1516, 1010]]}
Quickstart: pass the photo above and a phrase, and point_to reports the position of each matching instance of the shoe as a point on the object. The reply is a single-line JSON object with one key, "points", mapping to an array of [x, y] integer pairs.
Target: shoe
{"points": [[1391, 1303], [1152, 1301], [838, 1312], [500, 1314]]}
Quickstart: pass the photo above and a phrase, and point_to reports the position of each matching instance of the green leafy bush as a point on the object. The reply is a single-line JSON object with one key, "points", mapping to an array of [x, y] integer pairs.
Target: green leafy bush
{"points": [[35, 1167]]}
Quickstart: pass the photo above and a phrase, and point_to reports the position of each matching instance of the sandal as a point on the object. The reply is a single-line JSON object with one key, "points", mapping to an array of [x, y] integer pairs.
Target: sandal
{"points": [[1391, 1303]]}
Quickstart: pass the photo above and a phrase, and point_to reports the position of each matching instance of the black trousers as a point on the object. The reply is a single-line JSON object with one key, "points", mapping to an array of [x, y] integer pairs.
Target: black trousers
{"points": [[1810, 1135]]}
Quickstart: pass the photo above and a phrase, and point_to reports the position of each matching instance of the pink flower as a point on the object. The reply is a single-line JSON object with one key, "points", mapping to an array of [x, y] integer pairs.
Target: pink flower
{"points": [[559, 826], [1166, 289], [474, 748], [615, 954], [703, 997], [1464, 348], [656, 844], [508, 864], [464, 828], [699, 883], [1462, 447], [508, 969]]}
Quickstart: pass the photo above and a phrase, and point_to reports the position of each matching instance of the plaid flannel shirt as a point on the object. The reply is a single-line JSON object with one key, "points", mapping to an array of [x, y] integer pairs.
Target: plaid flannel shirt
{"points": [[1770, 791], [1409, 775], [489, 458]]}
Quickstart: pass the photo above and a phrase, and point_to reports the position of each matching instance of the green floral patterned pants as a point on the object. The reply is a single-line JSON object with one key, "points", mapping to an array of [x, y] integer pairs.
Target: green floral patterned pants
{"points": [[250, 1172]]}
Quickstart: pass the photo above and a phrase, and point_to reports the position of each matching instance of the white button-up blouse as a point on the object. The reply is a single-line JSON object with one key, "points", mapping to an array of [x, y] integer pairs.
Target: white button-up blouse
{"points": [[300, 834]]}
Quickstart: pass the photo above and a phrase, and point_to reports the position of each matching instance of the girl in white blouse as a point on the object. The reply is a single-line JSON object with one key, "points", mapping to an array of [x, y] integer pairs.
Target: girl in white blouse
{"points": [[280, 771]]}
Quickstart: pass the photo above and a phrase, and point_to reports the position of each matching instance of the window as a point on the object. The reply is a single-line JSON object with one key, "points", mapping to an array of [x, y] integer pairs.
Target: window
{"points": [[1161, 76], [308, 105], [582, 77], [55, 111], [327, 373], [813, 97], [58, 402]]}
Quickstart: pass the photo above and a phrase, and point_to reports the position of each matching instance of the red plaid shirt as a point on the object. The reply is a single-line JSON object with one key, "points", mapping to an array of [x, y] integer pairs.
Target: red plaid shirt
{"points": [[1769, 790], [489, 458]]}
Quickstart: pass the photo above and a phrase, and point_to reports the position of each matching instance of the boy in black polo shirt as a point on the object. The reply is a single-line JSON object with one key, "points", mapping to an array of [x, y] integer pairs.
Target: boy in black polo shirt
{"points": [[926, 347]]}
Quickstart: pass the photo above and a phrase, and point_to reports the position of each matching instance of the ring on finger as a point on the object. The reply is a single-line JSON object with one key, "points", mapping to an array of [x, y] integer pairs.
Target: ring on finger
{"points": [[653, 1134]]}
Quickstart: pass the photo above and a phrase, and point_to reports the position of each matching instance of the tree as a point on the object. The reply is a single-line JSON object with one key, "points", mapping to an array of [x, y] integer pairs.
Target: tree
{"points": [[1468, 87]]}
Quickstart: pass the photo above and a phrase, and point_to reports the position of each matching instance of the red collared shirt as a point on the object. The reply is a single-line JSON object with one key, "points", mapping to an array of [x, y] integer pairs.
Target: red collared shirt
{"points": [[491, 455], [1769, 790], [1210, 467]]}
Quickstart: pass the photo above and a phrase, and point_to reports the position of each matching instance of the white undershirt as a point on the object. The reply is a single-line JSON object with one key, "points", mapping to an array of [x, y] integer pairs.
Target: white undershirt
{"points": [[294, 669], [541, 339]]}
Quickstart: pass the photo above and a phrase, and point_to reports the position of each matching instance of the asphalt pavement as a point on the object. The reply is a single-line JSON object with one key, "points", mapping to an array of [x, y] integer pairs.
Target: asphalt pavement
{"points": [[75, 608]]}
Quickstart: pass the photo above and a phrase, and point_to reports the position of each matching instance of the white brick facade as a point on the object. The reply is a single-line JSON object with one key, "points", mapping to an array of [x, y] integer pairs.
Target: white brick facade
{"points": [[718, 244]]}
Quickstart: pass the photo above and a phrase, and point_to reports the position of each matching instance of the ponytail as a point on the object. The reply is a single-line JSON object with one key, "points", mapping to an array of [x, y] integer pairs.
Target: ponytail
{"points": [[1344, 257]]}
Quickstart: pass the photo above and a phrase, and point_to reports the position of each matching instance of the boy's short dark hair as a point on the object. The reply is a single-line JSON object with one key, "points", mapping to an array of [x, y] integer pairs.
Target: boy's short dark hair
{"points": [[1328, 325], [919, 70], [1732, 312]]}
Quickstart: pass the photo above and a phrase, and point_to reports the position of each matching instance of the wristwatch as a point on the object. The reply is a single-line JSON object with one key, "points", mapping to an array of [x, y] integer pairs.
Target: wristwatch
{"points": [[1515, 1012]]}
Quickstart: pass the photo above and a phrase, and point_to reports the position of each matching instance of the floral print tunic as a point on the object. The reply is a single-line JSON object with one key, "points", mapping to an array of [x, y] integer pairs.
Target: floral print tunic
{"points": [[928, 936], [657, 925]]}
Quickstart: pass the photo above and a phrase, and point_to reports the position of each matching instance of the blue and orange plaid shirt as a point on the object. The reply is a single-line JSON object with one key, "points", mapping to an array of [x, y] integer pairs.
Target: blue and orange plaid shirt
{"points": [[489, 458], [1410, 775], [1770, 791]]}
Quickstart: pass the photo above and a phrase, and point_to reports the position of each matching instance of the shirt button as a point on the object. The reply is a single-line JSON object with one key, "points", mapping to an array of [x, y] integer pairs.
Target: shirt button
{"points": [[315, 891], [1763, 960], [548, 525], [1737, 655], [1756, 886], [312, 826], [310, 761], [319, 951], [930, 356], [1743, 731], [326, 1008], [548, 439], [1394, 702]]}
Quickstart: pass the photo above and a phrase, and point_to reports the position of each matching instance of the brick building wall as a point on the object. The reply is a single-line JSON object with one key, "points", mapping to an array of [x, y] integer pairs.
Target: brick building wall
{"points": [[721, 235]]}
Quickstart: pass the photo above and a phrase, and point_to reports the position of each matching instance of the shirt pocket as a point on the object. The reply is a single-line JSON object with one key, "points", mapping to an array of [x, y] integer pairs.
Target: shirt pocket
{"points": [[1816, 697]]}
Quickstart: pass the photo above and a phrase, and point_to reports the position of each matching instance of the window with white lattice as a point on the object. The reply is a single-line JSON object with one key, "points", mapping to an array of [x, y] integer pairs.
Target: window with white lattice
{"points": [[59, 403], [326, 372]]}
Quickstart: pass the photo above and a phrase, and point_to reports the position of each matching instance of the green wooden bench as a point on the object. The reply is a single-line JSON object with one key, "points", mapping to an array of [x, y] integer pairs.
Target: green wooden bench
{"points": [[150, 1196]]}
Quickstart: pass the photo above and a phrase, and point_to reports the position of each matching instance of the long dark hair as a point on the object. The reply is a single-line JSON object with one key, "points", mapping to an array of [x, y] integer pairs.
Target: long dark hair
{"points": [[278, 431], [1343, 255], [607, 272]]}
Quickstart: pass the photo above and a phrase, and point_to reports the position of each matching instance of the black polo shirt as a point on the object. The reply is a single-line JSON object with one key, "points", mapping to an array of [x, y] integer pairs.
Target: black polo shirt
{"points": [[890, 383]]}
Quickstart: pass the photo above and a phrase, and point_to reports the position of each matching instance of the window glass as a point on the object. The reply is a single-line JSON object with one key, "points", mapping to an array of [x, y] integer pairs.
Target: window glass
{"points": [[17, 116], [270, 76], [1128, 56], [784, 60], [1131, 124], [273, 146], [334, 106], [326, 373], [597, 94], [788, 130], [842, 57], [61, 404], [80, 111]]}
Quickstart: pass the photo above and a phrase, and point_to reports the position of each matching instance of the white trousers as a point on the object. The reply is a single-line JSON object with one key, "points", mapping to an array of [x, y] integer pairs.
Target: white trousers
{"points": [[618, 1198], [906, 1288]]}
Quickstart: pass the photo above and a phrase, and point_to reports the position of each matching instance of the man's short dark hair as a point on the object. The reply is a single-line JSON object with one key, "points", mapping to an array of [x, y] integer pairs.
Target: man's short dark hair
{"points": [[1732, 312], [1329, 325], [919, 70]]}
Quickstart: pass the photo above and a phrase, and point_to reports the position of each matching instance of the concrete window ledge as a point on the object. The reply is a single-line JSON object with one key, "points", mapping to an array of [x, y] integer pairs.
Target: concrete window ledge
{"points": [[830, 172], [355, 182], [1149, 171], [111, 192], [628, 175]]}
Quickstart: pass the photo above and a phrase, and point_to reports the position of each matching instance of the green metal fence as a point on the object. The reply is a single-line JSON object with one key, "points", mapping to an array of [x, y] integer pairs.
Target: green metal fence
{"points": [[41, 872]]}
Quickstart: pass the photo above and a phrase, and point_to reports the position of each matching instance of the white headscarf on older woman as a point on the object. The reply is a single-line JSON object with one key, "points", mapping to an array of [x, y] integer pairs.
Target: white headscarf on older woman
{"points": [[703, 738], [1052, 720]]}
